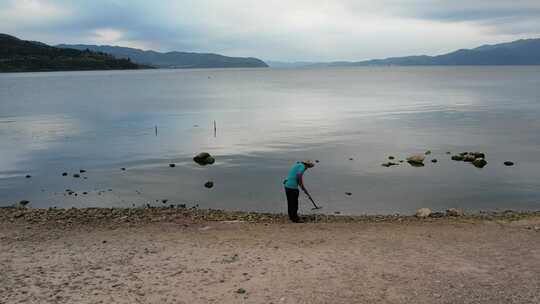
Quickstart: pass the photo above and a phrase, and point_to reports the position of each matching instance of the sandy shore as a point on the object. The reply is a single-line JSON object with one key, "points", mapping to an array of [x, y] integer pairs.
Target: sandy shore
{"points": [[197, 256]]}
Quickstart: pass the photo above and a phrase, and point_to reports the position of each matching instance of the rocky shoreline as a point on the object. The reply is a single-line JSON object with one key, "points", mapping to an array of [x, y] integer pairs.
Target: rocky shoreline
{"points": [[134, 216]]}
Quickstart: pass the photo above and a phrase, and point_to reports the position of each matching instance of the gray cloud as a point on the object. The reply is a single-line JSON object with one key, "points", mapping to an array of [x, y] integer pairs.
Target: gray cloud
{"points": [[286, 30]]}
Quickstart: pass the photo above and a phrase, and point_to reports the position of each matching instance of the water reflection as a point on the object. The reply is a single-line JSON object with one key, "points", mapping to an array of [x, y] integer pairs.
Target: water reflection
{"points": [[266, 120]]}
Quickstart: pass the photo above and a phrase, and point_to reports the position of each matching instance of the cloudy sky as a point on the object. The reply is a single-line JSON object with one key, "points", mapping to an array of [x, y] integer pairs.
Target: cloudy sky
{"points": [[315, 30]]}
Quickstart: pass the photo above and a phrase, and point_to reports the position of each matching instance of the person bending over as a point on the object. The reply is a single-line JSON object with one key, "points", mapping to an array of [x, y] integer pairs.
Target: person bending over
{"points": [[293, 180]]}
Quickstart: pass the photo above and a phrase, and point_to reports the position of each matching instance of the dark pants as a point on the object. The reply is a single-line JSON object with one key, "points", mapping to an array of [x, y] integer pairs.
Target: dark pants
{"points": [[292, 203]]}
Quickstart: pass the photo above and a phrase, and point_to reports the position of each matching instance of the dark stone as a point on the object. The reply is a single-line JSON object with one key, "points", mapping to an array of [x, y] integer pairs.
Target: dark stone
{"points": [[76, 175], [458, 157], [348, 193], [204, 159], [123, 169], [164, 201], [241, 291], [428, 152], [389, 164], [478, 155], [28, 176], [172, 165], [434, 160], [82, 171], [351, 158], [85, 193], [24, 202], [391, 157], [479, 163], [209, 184], [469, 158], [508, 163], [64, 174], [317, 161]]}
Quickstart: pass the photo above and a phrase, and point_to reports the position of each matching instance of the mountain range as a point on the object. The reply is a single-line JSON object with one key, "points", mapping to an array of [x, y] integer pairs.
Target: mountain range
{"points": [[519, 52], [30, 56], [172, 59]]}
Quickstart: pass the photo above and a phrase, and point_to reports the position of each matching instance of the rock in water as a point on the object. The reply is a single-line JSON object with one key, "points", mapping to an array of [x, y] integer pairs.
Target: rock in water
{"points": [[455, 212], [389, 164], [348, 193], [478, 155], [428, 152], [172, 165], [434, 160], [458, 157], [416, 160], [76, 175], [390, 157], [423, 212], [204, 159], [64, 174], [469, 158], [508, 163], [479, 163], [209, 184], [28, 176]]}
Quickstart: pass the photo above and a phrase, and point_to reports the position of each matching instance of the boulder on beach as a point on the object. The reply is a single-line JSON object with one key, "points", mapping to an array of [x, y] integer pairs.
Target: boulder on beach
{"points": [[204, 159], [455, 212], [416, 159], [479, 163], [423, 212], [20, 205]]}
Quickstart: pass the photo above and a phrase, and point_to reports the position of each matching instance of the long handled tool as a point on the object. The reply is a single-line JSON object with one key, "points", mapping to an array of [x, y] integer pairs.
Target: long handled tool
{"points": [[311, 199]]}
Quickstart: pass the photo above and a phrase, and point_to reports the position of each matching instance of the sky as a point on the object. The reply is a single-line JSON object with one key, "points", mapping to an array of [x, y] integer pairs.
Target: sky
{"points": [[285, 30]]}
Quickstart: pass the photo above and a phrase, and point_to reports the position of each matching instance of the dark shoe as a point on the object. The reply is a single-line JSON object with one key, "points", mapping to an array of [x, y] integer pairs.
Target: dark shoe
{"points": [[297, 220]]}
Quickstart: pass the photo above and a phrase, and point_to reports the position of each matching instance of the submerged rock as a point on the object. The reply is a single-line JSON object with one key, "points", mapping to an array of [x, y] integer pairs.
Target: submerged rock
{"points": [[204, 159], [458, 157], [469, 158], [389, 164], [64, 174], [479, 163], [209, 184], [416, 160], [76, 175], [423, 212], [434, 160], [28, 176], [508, 163]]}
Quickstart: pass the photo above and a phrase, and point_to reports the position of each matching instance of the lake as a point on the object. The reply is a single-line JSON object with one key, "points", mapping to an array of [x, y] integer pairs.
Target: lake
{"points": [[266, 120]]}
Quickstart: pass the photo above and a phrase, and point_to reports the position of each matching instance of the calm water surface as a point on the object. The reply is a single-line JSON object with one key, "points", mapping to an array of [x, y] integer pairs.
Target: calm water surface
{"points": [[266, 120]]}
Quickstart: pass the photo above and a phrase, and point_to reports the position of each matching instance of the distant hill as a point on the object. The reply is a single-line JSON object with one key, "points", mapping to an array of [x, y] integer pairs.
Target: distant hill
{"points": [[520, 52], [173, 59], [30, 56]]}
